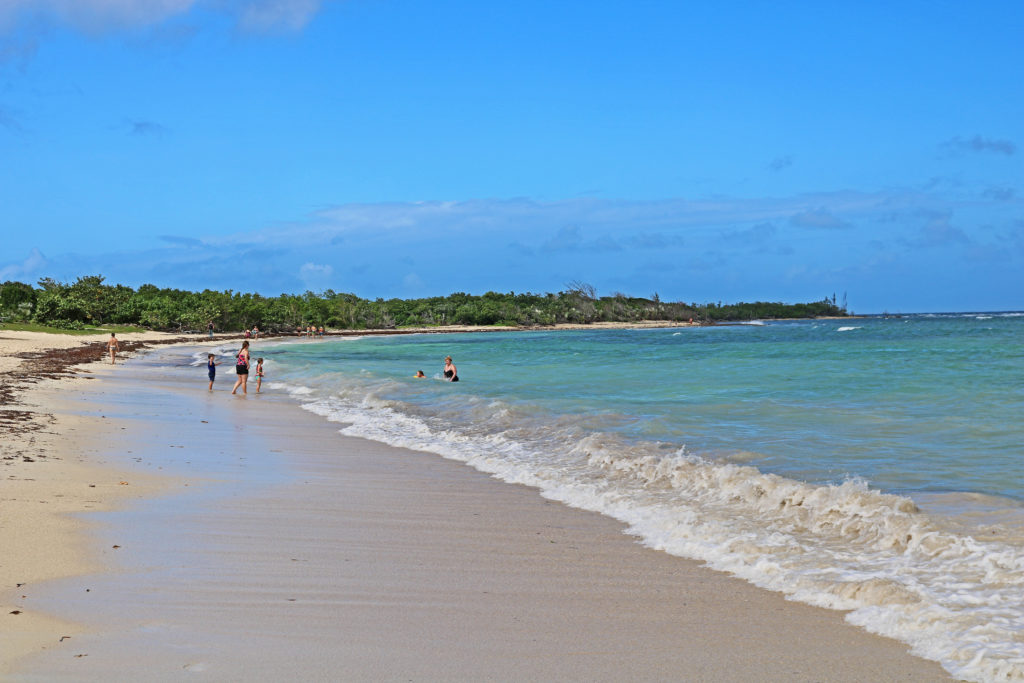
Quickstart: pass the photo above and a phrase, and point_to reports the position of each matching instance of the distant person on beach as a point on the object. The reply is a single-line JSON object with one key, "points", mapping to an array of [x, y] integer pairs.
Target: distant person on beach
{"points": [[113, 347], [248, 333], [450, 373], [209, 329], [321, 330], [211, 368], [259, 374], [255, 332], [419, 374], [242, 369]]}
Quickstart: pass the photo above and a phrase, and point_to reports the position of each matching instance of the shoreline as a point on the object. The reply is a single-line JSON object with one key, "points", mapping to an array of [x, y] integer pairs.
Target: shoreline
{"points": [[47, 481], [601, 549]]}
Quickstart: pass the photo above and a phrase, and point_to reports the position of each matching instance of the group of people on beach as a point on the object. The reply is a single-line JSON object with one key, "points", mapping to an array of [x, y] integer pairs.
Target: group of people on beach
{"points": [[242, 362]]}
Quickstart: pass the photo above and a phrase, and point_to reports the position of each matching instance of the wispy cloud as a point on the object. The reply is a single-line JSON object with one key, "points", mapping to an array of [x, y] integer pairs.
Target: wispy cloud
{"points": [[316, 276], [780, 163], [8, 120], [958, 146], [91, 15], [654, 240], [277, 15], [107, 16], [696, 250], [820, 218], [1000, 194], [144, 128], [938, 231], [755, 235], [570, 238], [182, 241], [26, 271], [632, 224]]}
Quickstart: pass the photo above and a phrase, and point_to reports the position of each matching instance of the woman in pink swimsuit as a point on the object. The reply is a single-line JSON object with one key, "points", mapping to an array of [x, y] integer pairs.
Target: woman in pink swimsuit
{"points": [[242, 368]]}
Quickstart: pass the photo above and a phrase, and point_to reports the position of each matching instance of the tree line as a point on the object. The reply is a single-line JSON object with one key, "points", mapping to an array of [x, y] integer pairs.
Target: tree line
{"points": [[89, 302]]}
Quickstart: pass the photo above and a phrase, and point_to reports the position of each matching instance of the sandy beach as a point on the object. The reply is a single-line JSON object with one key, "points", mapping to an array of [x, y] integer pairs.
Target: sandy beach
{"points": [[153, 529]]}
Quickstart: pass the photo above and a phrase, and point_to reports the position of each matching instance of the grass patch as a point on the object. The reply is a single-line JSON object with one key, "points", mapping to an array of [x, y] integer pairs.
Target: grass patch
{"points": [[36, 327]]}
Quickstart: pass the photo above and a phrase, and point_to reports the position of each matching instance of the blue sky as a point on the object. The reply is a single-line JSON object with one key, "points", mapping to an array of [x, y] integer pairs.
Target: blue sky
{"points": [[707, 152]]}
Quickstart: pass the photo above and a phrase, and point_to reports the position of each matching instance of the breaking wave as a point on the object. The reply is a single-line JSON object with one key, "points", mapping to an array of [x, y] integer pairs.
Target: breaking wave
{"points": [[952, 596]]}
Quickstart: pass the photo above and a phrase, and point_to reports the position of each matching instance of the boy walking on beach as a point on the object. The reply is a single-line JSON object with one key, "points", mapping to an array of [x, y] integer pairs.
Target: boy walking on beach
{"points": [[259, 374], [211, 368]]}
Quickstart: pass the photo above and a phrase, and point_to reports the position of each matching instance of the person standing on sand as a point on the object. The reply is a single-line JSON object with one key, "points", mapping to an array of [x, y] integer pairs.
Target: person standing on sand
{"points": [[450, 373], [113, 347], [209, 328], [242, 369], [211, 368]]}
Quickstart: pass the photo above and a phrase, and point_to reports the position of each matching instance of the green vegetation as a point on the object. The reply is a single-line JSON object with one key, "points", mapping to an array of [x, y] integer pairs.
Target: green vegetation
{"points": [[90, 305]]}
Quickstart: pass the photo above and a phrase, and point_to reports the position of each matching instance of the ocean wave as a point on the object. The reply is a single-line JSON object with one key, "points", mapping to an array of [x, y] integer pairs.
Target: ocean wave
{"points": [[199, 356], [953, 597], [291, 389], [848, 329]]}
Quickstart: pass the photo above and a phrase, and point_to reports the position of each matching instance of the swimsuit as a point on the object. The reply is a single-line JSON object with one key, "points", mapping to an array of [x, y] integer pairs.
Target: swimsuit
{"points": [[212, 370], [242, 366], [448, 375]]}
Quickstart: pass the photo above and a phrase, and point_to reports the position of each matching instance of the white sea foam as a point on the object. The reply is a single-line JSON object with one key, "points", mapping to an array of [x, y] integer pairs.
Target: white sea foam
{"points": [[847, 329], [953, 597], [199, 356], [757, 323], [297, 390]]}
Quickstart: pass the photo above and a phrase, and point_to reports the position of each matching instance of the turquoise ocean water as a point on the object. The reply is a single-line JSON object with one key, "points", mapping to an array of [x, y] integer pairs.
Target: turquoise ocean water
{"points": [[873, 465]]}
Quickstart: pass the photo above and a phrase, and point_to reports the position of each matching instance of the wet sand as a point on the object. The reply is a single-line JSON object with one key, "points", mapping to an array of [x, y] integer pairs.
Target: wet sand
{"points": [[254, 541]]}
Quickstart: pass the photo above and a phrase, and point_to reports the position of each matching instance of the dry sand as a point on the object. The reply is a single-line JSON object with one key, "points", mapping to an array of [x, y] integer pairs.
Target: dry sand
{"points": [[255, 542]]}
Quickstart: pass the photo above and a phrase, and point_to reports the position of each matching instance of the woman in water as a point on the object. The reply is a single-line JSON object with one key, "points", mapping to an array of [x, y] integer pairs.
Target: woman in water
{"points": [[242, 368], [450, 373]]}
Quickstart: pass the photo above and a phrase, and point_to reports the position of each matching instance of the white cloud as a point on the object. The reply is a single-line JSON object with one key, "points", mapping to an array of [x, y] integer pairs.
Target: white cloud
{"points": [[818, 218], [621, 223], [276, 15], [978, 144], [413, 282], [93, 15], [316, 276], [29, 269], [100, 16]]}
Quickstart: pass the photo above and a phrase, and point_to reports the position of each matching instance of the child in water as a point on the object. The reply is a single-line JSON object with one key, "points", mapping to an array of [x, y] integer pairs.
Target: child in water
{"points": [[419, 374], [211, 368], [259, 374]]}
